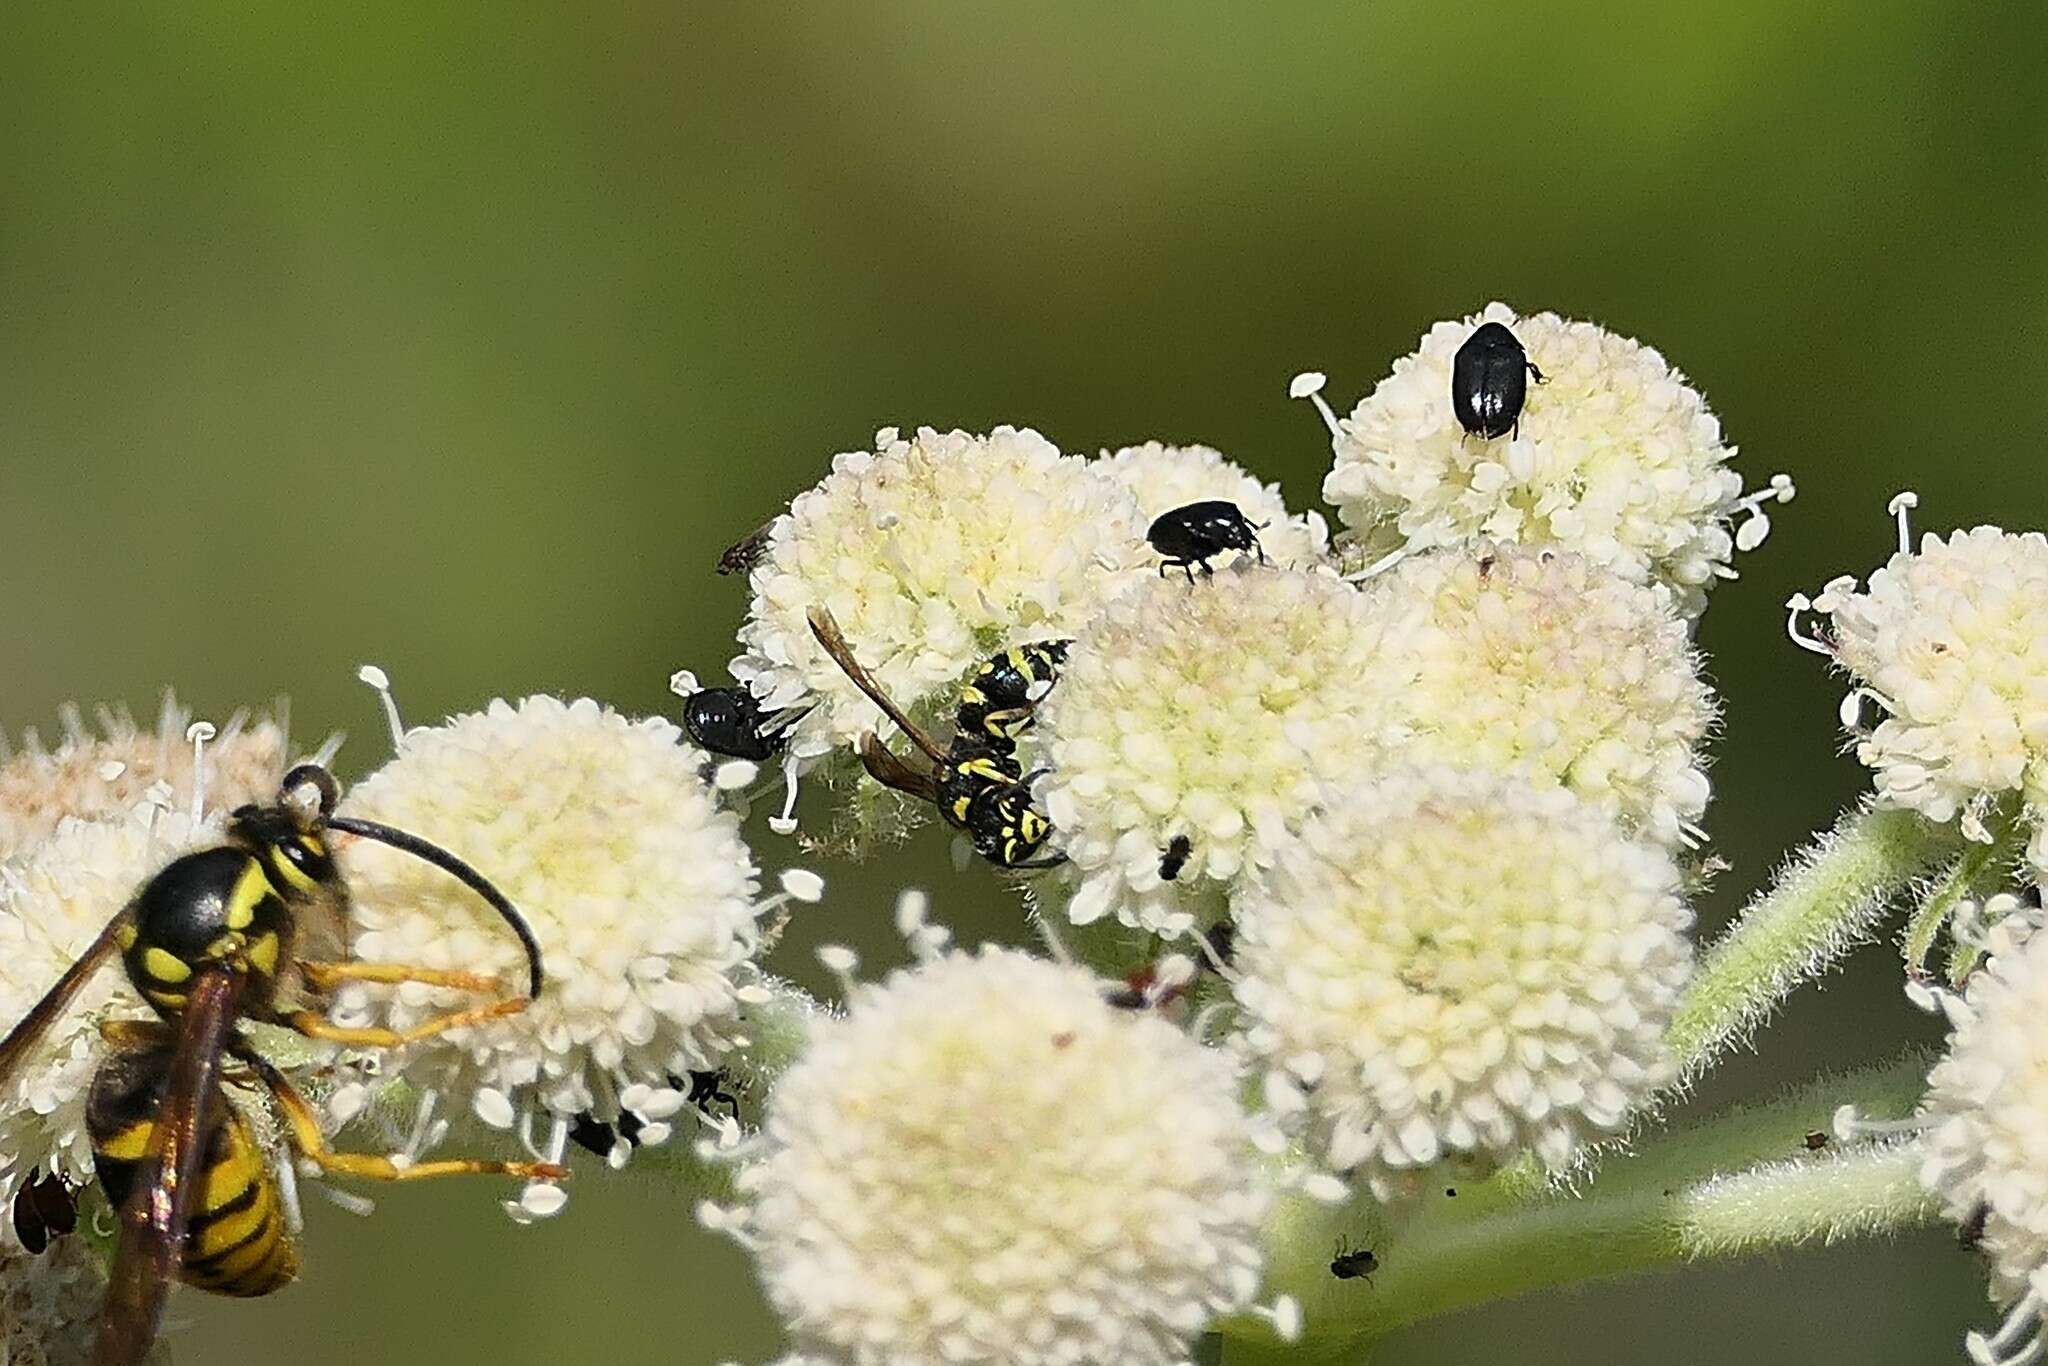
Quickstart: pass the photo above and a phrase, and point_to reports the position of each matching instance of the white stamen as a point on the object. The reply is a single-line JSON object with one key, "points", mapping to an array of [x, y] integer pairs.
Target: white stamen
{"points": [[1379, 566], [734, 774], [362, 1206], [1309, 385], [198, 733], [417, 1141], [379, 680], [803, 885], [494, 1108], [288, 1192], [1901, 504], [785, 824], [682, 683], [1794, 605], [840, 961], [347, 1102], [543, 1199], [1285, 1316]]}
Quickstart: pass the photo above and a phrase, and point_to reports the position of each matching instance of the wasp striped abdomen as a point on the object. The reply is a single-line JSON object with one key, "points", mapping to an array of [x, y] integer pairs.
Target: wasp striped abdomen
{"points": [[238, 1242]]}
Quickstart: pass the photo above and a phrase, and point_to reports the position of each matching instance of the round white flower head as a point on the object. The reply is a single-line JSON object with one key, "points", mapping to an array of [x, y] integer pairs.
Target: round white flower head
{"points": [[1616, 457], [1215, 711], [1986, 1116], [1947, 641], [604, 834], [1537, 661], [54, 901], [1463, 966], [1163, 478], [50, 1305], [984, 1162], [930, 552], [95, 773]]}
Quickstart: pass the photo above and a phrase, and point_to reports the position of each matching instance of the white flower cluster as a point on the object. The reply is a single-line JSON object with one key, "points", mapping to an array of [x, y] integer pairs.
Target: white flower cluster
{"points": [[109, 770], [1463, 965], [1617, 457], [54, 901], [1951, 644], [983, 1162], [1538, 662], [1163, 477], [1217, 712], [50, 1305], [645, 901], [930, 552]]}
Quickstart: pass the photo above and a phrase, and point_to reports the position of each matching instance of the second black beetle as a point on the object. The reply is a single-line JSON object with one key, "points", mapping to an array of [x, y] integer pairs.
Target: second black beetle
{"points": [[1195, 534], [730, 722], [1490, 381]]}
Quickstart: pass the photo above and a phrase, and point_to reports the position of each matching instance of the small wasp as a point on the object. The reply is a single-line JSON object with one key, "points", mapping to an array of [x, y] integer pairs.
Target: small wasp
{"points": [[730, 722], [1350, 1266], [998, 703], [209, 942], [1195, 534], [1490, 381], [977, 787]]}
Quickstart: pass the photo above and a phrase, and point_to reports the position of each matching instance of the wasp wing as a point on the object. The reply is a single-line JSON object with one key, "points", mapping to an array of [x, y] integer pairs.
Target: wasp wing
{"points": [[825, 627], [886, 768], [22, 1038], [154, 1219]]}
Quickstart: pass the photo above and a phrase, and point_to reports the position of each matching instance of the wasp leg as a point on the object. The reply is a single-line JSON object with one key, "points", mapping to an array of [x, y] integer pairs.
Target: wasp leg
{"points": [[136, 1033], [312, 1144], [326, 976], [315, 1026]]}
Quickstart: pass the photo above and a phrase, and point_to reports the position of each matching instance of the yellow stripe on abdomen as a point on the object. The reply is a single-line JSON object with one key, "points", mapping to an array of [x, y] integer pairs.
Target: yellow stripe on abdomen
{"points": [[237, 1243]]}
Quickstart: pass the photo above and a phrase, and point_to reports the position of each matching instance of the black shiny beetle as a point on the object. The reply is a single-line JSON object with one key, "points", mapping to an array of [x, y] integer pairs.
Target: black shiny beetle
{"points": [[1490, 381], [1195, 534], [730, 722]]}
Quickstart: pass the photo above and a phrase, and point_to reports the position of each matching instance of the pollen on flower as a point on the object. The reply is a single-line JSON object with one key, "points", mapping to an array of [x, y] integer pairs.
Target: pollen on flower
{"points": [[1217, 712], [983, 1162], [1539, 662], [1947, 642], [106, 769], [1985, 1119], [646, 903], [1163, 478], [1462, 966], [55, 898], [1617, 457], [929, 551]]}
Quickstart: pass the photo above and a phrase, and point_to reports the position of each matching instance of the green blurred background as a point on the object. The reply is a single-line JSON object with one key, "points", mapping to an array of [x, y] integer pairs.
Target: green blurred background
{"points": [[462, 338]]}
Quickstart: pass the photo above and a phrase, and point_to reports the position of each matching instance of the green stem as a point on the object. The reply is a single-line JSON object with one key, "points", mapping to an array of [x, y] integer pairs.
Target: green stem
{"points": [[1825, 902], [1667, 1203], [1940, 904]]}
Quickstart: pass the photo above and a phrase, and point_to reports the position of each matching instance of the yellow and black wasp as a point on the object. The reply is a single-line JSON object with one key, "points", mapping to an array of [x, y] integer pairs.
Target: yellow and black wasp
{"points": [[976, 782], [210, 942], [999, 702]]}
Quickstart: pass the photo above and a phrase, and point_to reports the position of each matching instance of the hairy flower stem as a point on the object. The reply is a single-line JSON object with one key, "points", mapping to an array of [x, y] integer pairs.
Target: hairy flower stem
{"points": [[1947, 893], [1825, 902], [1735, 1184]]}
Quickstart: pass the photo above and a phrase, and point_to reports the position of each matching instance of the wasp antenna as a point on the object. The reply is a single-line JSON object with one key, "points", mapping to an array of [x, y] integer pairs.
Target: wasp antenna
{"points": [[456, 867], [826, 629]]}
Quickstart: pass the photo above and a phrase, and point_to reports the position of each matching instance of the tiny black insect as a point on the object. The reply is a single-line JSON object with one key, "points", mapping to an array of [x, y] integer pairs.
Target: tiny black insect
{"points": [[701, 1089], [743, 554], [1350, 1266], [1195, 534], [708, 1089], [1490, 381], [1175, 858], [1815, 1140], [729, 721]]}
